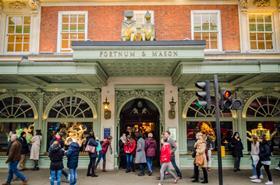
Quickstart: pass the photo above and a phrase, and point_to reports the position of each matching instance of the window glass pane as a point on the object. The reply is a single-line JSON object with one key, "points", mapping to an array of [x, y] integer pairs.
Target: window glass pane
{"points": [[19, 29], [19, 47], [73, 18], [11, 38], [253, 36], [213, 22], [261, 45], [252, 19], [252, 27], [197, 22], [260, 19], [268, 27], [65, 44], [11, 29], [253, 45], [27, 20], [26, 29], [269, 45], [65, 19], [197, 36], [81, 36], [213, 45], [26, 39], [81, 19], [19, 38], [26, 47], [10, 47], [268, 36], [267, 18], [65, 36], [260, 36], [260, 27], [81, 27], [65, 27]]}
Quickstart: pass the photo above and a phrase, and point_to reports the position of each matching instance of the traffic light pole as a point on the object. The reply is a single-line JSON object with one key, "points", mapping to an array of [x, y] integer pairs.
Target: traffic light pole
{"points": [[218, 129]]}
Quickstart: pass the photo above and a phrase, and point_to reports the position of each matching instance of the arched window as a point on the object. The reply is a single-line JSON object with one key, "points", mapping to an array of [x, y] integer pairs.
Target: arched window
{"points": [[71, 113], [196, 114], [16, 115], [265, 109]]}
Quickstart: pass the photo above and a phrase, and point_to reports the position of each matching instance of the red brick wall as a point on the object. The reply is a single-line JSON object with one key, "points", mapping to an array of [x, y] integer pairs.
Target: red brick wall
{"points": [[172, 23]]}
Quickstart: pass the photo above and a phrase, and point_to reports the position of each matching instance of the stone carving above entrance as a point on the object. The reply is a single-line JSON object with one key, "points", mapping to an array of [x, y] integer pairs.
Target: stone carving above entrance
{"points": [[157, 96]]}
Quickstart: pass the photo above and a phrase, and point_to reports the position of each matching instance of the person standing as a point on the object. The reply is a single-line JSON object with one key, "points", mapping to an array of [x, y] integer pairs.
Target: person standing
{"points": [[165, 161], [24, 150], [122, 156], [35, 149], [92, 155], [13, 160], [173, 149], [56, 154], [237, 148], [150, 147], [129, 150], [264, 154], [255, 151], [140, 154], [106, 143], [200, 159], [72, 162]]}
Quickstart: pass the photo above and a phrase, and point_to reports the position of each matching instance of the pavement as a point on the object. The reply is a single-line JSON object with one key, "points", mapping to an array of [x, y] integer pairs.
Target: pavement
{"points": [[41, 177]]}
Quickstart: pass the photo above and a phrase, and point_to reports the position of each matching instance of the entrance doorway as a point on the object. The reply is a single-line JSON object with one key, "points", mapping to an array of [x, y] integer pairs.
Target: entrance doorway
{"points": [[139, 115]]}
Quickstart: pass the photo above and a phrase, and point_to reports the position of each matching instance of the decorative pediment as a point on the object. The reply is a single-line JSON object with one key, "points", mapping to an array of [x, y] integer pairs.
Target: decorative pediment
{"points": [[17, 4], [243, 5], [262, 3], [20, 4]]}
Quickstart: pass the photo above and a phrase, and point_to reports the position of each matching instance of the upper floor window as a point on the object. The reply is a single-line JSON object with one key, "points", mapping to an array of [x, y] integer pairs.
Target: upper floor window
{"points": [[72, 27], [206, 25], [18, 33], [139, 17], [261, 32]]}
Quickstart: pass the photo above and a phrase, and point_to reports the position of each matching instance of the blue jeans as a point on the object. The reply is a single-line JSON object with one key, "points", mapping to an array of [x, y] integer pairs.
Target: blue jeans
{"points": [[150, 164], [254, 168], [56, 175], [129, 161], [101, 156], [73, 176], [13, 170]]}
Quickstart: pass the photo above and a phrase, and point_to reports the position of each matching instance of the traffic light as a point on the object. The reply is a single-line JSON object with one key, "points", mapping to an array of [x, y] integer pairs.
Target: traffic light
{"points": [[227, 102], [204, 97]]}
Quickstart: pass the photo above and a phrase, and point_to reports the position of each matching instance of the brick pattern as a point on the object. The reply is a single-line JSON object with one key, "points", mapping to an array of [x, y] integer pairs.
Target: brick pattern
{"points": [[172, 23]]}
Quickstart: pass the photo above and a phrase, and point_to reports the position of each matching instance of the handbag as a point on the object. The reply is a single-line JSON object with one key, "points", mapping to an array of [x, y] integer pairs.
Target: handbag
{"points": [[90, 149], [199, 160]]}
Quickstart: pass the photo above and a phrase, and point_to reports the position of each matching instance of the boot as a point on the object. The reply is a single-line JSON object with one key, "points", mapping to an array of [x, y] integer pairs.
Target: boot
{"points": [[104, 166], [205, 176], [93, 172], [24, 182]]}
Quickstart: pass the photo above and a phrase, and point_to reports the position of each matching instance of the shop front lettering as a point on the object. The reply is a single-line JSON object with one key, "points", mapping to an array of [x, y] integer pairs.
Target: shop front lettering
{"points": [[138, 54]]}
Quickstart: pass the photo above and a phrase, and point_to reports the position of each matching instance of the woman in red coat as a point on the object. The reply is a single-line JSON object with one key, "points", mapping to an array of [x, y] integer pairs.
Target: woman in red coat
{"points": [[165, 161], [129, 150]]}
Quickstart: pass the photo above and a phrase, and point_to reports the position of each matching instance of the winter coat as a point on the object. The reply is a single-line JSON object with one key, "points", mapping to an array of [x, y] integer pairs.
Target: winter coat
{"points": [[237, 148], [129, 146], [24, 145], [92, 142], [105, 145], [14, 152], [35, 148], [165, 153], [56, 154], [151, 147], [201, 150], [265, 151], [73, 155], [173, 146], [140, 151]]}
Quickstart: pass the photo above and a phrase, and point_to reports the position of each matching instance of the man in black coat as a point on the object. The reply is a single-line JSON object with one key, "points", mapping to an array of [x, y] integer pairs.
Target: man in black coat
{"points": [[24, 150]]}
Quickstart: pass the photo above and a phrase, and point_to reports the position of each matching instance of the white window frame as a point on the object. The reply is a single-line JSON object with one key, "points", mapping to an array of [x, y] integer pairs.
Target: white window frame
{"points": [[60, 14], [6, 34], [219, 27], [143, 12], [273, 35]]}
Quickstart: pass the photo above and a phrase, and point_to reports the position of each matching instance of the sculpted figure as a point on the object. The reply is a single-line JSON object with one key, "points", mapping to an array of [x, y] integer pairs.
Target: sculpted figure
{"points": [[128, 27], [148, 28]]}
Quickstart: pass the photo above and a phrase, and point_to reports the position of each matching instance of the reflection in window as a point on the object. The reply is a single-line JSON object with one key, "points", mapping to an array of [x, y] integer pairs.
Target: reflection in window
{"points": [[261, 34], [206, 27], [196, 114], [18, 34], [7, 128], [73, 28], [15, 107]]}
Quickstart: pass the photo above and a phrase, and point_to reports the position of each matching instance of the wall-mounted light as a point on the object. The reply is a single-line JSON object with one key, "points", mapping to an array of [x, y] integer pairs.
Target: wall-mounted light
{"points": [[171, 112], [107, 112]]}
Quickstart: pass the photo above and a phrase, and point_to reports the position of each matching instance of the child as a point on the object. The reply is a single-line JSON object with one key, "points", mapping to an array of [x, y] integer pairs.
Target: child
{"points": [[106, 143], [56, 154], [72, 162]]}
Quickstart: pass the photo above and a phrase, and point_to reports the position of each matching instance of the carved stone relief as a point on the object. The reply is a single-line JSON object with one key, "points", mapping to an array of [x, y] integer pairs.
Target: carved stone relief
{"points": [[20, 4], [185, 96], [123, 95], [34, 4], [243, 5], [262, 3]]}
